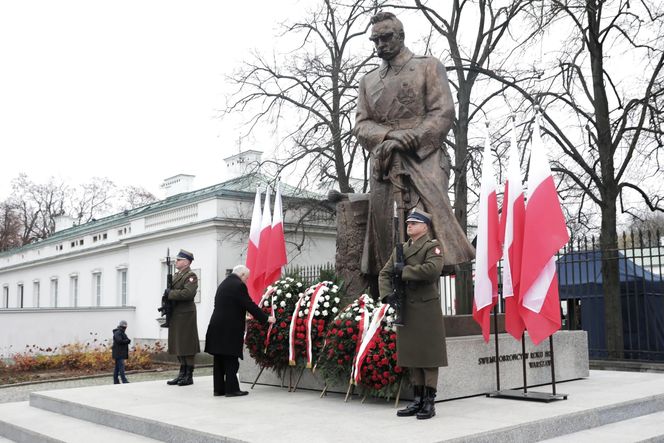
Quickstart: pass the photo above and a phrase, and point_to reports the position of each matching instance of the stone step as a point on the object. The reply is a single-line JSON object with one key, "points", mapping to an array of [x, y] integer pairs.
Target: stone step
{"points": [[645, 428], [21, 423], [272, 414]]}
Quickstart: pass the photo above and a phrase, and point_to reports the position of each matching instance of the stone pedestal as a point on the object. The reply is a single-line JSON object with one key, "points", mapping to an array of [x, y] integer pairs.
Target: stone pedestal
{"points": [[472, 368]]}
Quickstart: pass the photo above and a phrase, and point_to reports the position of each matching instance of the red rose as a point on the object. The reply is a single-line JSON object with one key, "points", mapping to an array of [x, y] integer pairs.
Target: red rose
{"points": [[337, 322], [384, 362], [381, 344], [340, 346], [397, 369], [354, 337], [282, 324], [340, 333], [386, 374], [376, 357], [393, 337], [394, 357], [349, 330], [346, 357], [280, 310], [372, 345], [392, 346], [349, 323]]}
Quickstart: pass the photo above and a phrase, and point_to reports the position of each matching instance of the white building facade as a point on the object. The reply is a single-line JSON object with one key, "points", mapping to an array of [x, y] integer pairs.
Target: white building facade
{"points": [[82, 280]]}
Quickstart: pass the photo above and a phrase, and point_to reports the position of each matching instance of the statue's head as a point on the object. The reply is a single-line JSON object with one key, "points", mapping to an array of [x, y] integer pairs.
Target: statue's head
{"points": [[387, 35]]}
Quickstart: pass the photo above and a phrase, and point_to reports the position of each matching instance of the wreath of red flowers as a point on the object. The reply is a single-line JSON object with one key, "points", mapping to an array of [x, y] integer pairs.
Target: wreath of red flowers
{"points": [[342, 341], [380, 375], [273, 353]]}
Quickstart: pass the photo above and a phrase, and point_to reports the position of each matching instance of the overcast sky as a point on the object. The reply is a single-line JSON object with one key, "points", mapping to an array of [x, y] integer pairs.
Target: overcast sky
{"points": [[123, 89]]}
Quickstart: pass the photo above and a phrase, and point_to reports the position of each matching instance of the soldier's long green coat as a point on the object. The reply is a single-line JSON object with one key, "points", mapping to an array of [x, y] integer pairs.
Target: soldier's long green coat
{"points": [[183, 329], [421, 342]]}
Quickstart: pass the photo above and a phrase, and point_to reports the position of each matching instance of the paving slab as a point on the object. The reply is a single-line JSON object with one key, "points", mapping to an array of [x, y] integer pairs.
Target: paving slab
{"points": [[644, 428], [171, 413]]}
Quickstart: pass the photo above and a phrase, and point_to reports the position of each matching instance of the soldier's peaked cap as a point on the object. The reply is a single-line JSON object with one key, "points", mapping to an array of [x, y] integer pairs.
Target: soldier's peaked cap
{"points": [[419, 216], [186, 255]]}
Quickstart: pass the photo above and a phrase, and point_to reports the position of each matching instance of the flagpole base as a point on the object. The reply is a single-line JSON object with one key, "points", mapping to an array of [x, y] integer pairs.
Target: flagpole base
{"points": [[518, 394]]}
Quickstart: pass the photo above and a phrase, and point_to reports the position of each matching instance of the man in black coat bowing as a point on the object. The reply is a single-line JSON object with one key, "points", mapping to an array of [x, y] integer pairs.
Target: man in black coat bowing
{"points": [[225, 334]]}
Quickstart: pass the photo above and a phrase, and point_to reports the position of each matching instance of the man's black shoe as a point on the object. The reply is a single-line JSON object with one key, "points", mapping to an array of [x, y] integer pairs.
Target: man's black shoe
{"points": [[237, 394], [218, 394]]}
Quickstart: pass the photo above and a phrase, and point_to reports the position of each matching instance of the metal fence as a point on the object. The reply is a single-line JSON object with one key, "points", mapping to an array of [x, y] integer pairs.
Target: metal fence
{"points": [[641, 277]]}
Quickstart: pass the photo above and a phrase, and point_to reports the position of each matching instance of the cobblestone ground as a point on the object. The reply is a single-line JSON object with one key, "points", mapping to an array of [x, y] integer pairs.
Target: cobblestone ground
{"points": [[21, 392]]}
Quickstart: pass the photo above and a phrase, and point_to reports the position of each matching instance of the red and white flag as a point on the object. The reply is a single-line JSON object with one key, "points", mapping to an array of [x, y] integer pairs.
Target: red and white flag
{"points": [[545, 232], [263, 246], [276, 259], [487, 252], [252, 248], [512, 221]]}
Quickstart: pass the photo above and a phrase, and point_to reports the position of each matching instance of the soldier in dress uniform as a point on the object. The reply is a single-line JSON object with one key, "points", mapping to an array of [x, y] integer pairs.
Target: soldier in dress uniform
{"points": [[421, 341], [183, 330], [404, 111]]}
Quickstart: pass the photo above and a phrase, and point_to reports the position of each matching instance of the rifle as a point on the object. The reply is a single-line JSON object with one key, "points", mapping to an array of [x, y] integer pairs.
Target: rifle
{"points": [[166, 307], [398, 297]]}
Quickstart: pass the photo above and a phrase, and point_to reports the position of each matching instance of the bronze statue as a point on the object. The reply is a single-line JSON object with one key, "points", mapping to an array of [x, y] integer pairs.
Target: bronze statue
{"points": [[404, 111]]}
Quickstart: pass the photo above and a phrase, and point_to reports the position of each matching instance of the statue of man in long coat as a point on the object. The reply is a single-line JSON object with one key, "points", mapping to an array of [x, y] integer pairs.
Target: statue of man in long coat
{"points": [[404, 111]]}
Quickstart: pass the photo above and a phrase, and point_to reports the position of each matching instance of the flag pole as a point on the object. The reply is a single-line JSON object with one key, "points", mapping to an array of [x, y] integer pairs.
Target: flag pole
{"points": [[523, 362], [553, 367], [495, 334]]}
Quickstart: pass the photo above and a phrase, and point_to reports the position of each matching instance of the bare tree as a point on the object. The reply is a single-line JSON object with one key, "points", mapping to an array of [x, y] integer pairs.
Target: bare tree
{"points": [[92, 200], [491, 48], [132, 197], [315, 87], [10, 227], [36, 206]]}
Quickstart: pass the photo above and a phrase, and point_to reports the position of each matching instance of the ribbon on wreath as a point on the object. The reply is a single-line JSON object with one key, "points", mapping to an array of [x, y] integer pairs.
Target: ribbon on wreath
{"points": [[269, 293], [313, 305], [372, 332]]}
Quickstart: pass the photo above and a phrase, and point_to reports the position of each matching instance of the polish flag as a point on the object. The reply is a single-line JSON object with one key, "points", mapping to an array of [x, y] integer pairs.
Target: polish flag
{"points": [[545, 232], [263, 246], [512, 221], [277, 253], [487, 252], [252, 249]]}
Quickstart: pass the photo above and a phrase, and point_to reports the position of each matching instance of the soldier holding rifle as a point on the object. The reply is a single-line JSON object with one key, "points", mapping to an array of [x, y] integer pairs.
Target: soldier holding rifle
{"points": [[421, 340], [183, 329]]}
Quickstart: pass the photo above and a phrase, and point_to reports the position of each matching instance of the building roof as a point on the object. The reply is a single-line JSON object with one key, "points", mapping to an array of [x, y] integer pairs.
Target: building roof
{"points": [[243, 187]]}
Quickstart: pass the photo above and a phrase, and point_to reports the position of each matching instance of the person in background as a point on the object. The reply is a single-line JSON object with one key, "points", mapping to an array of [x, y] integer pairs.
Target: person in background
{"points": [[120, 352], [225, 333]]}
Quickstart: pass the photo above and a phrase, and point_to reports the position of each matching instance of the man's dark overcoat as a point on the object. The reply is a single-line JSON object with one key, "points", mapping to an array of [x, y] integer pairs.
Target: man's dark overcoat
{"points": [[225, 333]]}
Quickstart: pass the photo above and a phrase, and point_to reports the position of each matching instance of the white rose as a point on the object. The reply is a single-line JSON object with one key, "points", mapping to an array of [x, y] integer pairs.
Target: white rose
{"points": [[326, 305], [266, 303], [299, 285], [278, 291], [327, 297], [337, 300], [300, 314], [334, 310], [317, 313], [324, 313], [306, 311], [358, 318], [282, 304]]}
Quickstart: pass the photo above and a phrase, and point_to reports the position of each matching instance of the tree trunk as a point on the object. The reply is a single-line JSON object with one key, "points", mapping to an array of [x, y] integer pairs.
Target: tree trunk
{"points": [[464, 276]]}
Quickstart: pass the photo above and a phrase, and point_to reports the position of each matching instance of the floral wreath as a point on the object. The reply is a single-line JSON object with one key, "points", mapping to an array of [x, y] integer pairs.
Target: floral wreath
{"points": [[376, 369], [343, 339], [268, 344], [313, 311]]}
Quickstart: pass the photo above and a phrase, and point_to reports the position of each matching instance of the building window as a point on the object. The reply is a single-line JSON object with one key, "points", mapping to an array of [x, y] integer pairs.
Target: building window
{"points": [[19, 295], [35, 294], [96, 287], [73, 290], [5, 296], [54, 292], [122, 277]]}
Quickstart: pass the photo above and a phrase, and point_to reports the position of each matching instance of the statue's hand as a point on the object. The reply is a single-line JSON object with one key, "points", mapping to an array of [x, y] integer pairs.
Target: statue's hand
{"points": [[406, 137]]}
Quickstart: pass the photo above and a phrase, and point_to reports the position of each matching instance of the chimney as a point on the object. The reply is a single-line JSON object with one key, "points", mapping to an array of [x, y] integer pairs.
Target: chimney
{"points": [[242, 163], [177, 184], [63, 222]]}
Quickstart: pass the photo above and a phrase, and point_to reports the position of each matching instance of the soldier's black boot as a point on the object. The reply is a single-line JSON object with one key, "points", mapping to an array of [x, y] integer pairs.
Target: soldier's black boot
{"points": [[428, 404], [179, 377], [188, 378], [415, 406]]}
